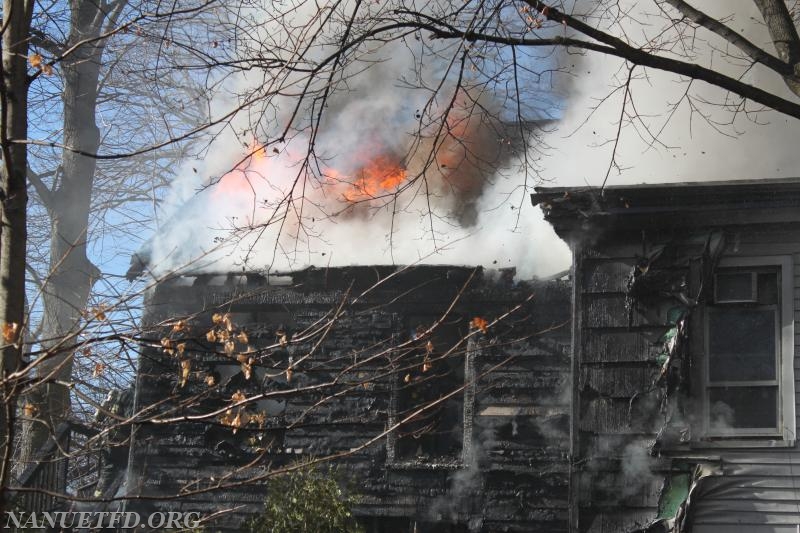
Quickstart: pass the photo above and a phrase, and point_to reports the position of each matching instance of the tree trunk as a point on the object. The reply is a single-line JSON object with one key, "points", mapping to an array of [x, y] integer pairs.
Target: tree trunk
{"points": [[13, 204], [72, 275], [784, 37]]}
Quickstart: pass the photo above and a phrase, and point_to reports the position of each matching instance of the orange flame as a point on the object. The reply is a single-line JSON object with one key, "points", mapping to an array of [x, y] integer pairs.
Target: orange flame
{"points": [[253, 163], [380, 175]]}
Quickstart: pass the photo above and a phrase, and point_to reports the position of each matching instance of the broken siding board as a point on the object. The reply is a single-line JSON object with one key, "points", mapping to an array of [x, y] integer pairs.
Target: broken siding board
{"points": [[615, 520], [543, 382], [611, 310], [619, 382], [639, 461], [613, 249], [520, 396], [623, 490], [518, 365], [523, 410], [615, 345], [610, 447], [604, 415], [610, 276]]}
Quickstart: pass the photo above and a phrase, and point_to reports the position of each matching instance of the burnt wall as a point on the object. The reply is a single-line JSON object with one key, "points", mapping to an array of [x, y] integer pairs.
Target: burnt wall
{"points": [[643, 454], [620, 407], [330, 363]]}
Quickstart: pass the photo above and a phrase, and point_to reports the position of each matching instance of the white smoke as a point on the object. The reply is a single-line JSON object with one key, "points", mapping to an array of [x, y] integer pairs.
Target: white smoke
{"points": [[471, 208], [399, 233], [700, 139], [374, 113]]}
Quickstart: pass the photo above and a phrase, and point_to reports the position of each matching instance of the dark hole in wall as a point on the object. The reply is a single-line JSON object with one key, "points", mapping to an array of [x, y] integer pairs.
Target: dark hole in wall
{"points": [[433, 368]]}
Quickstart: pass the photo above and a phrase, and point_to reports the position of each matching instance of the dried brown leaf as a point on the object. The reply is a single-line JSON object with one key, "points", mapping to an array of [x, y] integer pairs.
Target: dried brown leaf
{"points": [[230, 347], [247, 368], [186, 367], [480, 323], [98, 370], [259, 418], [238, 421], [10, 331]]}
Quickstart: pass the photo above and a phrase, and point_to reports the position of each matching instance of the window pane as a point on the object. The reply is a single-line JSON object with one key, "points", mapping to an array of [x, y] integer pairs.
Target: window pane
{"points": [[768, 288], [734, 286], [741, 344], [742, 407]]}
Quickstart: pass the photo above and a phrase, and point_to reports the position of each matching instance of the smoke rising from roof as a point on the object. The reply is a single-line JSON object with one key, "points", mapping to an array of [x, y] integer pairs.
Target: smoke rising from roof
{"points": [[391, 181], [468, 204]]}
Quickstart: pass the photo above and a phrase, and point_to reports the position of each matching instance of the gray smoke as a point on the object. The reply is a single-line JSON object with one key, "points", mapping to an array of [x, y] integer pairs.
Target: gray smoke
{"points": [[673, 135], [462, 200], [468, 205]]}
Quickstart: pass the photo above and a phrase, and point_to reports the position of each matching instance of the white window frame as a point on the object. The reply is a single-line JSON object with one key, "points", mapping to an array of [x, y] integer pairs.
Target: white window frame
{"points": [[784, 433]]}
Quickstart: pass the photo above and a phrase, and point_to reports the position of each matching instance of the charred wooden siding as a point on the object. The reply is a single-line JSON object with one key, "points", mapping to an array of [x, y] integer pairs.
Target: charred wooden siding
{"points": [[617, 397], [626, 445], [513, 473], [621, 410]]}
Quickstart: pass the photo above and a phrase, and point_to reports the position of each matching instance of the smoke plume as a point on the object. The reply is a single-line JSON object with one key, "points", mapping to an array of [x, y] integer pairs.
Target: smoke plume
{"points": [[399, 175], [389, 183]]}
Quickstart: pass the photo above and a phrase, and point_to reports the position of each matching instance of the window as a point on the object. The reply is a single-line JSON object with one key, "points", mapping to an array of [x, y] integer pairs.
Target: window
{"points": [[748, 377], [430, 391]]}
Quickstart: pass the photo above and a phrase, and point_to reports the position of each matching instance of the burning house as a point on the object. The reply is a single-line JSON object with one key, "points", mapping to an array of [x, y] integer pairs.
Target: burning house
{"points": [[653, 391], [683, 361], [438, 391]]}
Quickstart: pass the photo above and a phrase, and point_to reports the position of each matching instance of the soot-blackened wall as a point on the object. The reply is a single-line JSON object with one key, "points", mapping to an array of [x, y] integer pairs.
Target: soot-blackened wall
{"points": [[442, 391]]}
